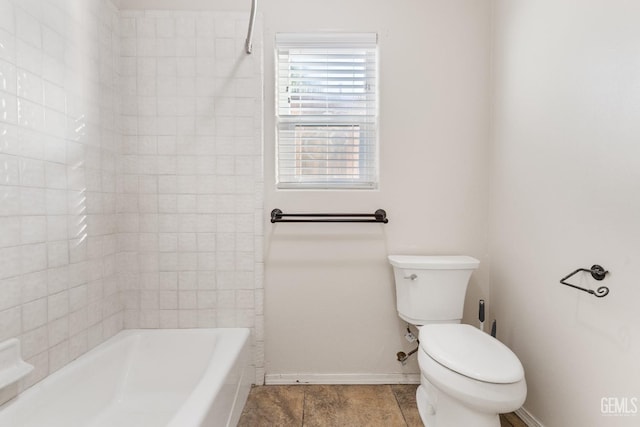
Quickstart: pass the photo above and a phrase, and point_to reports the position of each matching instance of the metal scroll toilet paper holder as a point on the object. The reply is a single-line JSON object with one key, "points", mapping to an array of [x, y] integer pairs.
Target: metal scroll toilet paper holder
{"points": [[597, 272]]}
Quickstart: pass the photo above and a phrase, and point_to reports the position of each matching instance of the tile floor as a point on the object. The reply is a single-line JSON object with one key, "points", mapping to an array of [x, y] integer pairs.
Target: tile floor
{"points": [[338, 405]]}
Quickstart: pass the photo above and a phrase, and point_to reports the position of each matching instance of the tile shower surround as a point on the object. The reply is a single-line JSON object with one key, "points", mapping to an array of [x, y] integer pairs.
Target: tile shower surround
{"points": [[190, 173], [59, 137], [130, 175]]}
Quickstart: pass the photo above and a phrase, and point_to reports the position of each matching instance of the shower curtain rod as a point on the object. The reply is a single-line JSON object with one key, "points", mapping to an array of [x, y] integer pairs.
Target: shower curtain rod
{"points": [[252, 20]]}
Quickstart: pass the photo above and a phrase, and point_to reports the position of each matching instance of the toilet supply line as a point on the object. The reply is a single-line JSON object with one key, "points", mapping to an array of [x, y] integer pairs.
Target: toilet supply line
{"points": [[401, 356]]}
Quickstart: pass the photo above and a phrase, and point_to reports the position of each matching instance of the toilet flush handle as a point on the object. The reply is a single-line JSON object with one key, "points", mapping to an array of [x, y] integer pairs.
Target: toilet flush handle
{"points": [[412, 277]]}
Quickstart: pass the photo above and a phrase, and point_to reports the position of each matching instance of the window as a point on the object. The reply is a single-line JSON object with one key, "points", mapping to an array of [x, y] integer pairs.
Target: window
{"points": [[326, 108]]}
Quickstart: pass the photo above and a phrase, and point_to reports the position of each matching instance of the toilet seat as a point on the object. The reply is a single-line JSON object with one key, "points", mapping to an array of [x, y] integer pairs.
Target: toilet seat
{"points": [[471, 352], [487, 398]]}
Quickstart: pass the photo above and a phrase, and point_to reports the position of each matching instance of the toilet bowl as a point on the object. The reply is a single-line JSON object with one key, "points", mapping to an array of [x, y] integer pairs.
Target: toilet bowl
{"points": [[467, 377]]}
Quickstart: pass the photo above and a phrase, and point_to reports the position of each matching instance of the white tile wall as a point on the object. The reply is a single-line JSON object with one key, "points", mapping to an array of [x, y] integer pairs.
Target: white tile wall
{"points": [[59, 135], [130, 175], [190, 173]]}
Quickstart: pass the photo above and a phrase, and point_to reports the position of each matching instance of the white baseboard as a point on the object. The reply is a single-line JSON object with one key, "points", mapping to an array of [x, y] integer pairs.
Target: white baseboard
{"points": [[284, 379], [527, 418]]}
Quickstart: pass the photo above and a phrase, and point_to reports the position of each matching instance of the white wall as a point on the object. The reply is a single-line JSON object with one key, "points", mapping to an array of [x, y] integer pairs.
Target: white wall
{"points": [[566, 194], [59, 135], [329, 291]]}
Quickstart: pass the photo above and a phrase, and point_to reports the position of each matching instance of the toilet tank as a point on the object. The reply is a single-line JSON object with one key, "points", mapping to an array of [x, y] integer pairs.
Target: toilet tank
{"points": [[431, 289]]}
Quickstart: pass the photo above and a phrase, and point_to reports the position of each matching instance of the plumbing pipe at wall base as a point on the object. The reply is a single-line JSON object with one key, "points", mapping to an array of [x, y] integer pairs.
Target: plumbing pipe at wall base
{"points": [[401, 356]]}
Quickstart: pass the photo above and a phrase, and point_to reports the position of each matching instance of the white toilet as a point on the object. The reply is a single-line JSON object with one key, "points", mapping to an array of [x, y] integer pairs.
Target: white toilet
{"points": [[467, 376]]}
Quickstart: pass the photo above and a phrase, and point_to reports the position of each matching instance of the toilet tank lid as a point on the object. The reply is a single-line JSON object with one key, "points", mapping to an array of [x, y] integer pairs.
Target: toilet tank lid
{"points": [[471, 352], [436, 262]]}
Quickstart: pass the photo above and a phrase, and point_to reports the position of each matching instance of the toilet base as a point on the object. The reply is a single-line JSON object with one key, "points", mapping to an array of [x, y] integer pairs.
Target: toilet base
{"points": [[439, 410]]}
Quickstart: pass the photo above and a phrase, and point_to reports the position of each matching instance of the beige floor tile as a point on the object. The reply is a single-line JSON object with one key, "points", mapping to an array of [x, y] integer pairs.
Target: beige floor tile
{"points": [[269, 406], [513, 420], [351, 405], [405, 395], [339, 406]]}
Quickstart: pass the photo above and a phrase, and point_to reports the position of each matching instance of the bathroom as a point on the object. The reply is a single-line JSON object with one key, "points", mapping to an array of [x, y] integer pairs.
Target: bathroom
{"points": [[136, 193]]}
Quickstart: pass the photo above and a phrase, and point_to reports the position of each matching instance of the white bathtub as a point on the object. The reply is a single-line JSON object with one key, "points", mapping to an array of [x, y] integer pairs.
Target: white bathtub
{"points": [[173, 378]]}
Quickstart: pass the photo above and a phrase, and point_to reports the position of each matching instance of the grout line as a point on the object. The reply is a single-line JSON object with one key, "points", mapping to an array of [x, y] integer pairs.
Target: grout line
{"points": [[304, 403], [395, 396]]}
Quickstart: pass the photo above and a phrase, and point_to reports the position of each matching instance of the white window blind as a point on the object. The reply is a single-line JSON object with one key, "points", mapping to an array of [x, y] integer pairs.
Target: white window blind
{"points": [[327, 111]]}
